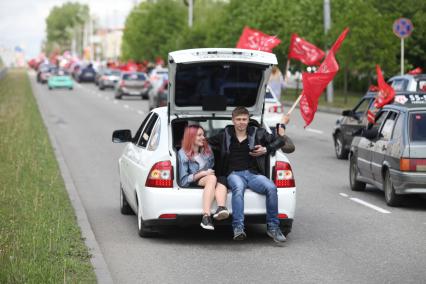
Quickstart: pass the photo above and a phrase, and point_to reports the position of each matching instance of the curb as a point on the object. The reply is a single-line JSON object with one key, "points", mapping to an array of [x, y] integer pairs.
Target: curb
{"points": [[97, 260]]}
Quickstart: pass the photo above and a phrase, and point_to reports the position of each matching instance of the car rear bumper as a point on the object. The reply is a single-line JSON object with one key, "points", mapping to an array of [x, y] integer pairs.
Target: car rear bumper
{"points": [[188, 220], [187, 202], [408, 182]]}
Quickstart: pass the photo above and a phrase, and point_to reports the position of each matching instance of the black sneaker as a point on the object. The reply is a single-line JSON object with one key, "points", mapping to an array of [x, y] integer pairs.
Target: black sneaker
{"points": [[276, 235], [239, 234], [221, 213], [206, 223]]}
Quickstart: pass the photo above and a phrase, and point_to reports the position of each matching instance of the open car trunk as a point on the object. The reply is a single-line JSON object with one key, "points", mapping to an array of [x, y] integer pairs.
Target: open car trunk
{"points": [[212, 126]]}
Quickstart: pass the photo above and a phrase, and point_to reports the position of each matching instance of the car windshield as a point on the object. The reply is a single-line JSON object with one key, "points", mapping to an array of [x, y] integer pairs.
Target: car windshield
{"points": [[238, 82], [134, 77], [418, 126]]}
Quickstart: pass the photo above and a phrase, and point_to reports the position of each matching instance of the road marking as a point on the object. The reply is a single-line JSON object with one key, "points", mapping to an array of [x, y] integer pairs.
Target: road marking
{"points": [[344, 194], [362, 202], [314, 130], [107, 98], [115, 102], [126, 106], [140, 112], [99, 95]]}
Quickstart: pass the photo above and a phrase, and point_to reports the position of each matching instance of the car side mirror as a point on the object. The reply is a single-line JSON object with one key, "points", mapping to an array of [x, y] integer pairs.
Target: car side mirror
{"points": [[348, 112], [370, 134], [121, 136]]}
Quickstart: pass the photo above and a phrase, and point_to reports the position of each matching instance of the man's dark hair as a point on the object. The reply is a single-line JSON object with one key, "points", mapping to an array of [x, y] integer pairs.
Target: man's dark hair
{"points": [[240, 111]]}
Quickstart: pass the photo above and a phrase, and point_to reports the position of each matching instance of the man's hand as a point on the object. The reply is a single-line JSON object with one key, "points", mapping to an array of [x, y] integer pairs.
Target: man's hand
{"points": [[285, 119], [258, 150], [209, 172]]}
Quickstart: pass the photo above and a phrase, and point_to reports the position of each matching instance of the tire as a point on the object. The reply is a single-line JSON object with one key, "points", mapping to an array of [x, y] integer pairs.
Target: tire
{"points": [[125, 208], [50, 88], [391, 198], [339, 147], [353, 175], [118, 97], [144, 231]]}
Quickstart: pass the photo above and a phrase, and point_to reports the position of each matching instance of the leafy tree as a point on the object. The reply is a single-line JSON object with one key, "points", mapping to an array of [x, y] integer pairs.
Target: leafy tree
{"points": [[61, 22], [152, 29]]}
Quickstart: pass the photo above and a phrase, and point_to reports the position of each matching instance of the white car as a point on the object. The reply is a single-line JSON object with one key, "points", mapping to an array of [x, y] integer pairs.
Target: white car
{"points": [[273, 109], [205, 86]]}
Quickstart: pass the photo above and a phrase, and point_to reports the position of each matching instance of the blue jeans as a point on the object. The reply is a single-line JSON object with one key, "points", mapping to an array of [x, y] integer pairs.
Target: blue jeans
{"points": [[238, 181]]}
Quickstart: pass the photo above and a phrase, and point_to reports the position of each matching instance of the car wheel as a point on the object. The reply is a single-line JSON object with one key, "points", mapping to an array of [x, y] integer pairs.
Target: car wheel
{"points": [[341, 152], [71, 88], [50, 88], [392, 199], [118, 97], [125, 208], [144, 231], [353, 175]]}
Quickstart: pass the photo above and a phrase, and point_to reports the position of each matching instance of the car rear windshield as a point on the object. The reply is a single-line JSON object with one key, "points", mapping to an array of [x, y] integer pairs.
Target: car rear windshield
{"points": [[418, 127], [134, 77], [238, 82]]}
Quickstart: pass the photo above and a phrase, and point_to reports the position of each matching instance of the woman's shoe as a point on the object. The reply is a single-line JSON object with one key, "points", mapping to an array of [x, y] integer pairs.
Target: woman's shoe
{"points": [[206, 222], [221, 213]]}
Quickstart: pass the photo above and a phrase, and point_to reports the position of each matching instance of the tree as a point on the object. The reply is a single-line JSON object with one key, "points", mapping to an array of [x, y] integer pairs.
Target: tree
{"points": [[152, 30], [61, 22]]}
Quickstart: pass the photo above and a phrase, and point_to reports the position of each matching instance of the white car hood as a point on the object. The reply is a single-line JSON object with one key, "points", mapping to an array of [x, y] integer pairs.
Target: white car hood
{"points": [[213, 81]]}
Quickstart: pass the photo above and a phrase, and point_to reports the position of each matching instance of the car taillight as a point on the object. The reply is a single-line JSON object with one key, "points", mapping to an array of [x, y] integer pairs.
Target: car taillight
{"points": [[412, 165], [282, 216], [146, 84], [276, 109], [122, 83], [168, 216], [160, 175], [283, 175], [104, 78]]}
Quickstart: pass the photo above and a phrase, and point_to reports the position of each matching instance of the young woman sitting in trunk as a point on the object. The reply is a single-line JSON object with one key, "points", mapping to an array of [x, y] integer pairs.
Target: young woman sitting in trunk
{"points": [[196, 161]]}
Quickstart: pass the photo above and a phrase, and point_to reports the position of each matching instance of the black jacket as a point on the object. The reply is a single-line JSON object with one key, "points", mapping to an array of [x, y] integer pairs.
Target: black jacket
{"points": [[256, 136]]}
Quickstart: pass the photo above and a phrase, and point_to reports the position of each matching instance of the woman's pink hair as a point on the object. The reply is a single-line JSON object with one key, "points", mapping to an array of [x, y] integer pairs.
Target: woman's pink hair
{"points": [[188, 140]]}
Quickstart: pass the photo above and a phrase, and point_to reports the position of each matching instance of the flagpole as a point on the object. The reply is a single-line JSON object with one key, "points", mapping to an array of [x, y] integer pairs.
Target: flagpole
{"points": [[294, 105]]}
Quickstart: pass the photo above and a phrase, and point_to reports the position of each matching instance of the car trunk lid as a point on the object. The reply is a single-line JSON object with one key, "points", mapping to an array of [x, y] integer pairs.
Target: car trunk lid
{"points": [[213, 81]]}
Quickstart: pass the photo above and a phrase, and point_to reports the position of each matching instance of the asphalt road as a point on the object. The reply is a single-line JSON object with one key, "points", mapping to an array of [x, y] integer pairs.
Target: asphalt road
{"points": [[338, 236]]}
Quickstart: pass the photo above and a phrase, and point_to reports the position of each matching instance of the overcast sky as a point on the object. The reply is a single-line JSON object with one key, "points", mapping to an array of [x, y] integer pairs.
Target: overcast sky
{"points": [[22, 22]]}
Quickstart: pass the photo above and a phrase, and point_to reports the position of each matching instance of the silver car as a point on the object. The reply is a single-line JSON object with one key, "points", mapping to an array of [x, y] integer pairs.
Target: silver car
{"points": [[391, 154]]}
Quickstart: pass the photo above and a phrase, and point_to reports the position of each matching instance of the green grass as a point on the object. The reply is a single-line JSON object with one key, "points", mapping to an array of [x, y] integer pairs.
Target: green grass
{"points": [[339, 99], [40, 241]]}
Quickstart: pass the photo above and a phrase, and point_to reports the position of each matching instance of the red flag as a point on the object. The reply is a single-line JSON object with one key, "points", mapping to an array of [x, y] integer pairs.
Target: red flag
{"points": [[416, 71], [304, 51], [386, 92], [254, 39], [315, 83]]}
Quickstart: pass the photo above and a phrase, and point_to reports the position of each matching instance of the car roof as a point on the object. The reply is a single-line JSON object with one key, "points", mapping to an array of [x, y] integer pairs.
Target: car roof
{"points": [[413, 101]]}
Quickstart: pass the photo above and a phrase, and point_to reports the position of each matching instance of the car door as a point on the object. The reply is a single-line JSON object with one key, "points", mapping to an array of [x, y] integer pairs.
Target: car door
{"points": [[128, 157], [366, 146], [351, 124], [382, 146], [140, 155]]}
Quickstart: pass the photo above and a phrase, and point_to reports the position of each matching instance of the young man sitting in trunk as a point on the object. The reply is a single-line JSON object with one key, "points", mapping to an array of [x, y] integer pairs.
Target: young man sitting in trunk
{"points": [[243, 152]]}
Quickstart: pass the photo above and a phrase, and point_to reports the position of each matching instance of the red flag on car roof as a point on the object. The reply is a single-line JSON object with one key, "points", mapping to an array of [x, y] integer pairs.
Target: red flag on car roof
{"points": [[257, 40], [304, 51], [416, 71], [315, 83], [386, 93]]}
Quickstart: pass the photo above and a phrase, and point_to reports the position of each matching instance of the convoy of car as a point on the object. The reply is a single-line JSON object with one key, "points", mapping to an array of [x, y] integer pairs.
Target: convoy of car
{"points": [[205, 85]]}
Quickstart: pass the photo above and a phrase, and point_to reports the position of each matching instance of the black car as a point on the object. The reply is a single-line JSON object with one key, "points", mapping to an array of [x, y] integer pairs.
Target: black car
{"points": [[86, 74], [391, 153], [351, 121]]}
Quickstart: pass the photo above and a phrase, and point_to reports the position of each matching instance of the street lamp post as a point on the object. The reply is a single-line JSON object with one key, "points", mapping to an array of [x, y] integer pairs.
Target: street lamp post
{"points": [[327, 25]]}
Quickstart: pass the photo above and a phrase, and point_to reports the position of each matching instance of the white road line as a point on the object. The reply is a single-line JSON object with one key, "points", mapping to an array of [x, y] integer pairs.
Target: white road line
{"points": [[99, 95], [362, 202], [344, 194], [107, 98], [126, 106], [140, 112], [115, 102], [314, 130]]}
